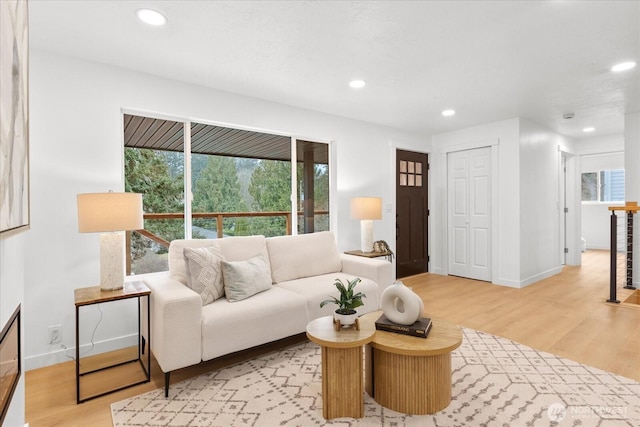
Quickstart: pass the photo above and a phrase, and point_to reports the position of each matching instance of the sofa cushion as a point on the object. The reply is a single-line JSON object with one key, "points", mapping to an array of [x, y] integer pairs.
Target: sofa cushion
{"points": [[233, 249], [268, 316], [319, 288], [205, 272], [304, 255], [243, 279], [241, 248]]}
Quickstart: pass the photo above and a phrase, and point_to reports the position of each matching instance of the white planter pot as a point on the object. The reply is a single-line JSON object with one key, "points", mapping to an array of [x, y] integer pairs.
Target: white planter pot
{"points": [[346, 319]]}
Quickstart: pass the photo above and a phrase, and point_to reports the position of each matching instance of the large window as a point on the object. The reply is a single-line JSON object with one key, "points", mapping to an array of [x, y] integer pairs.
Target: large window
{"points": [[240, 182], [603, 186]]}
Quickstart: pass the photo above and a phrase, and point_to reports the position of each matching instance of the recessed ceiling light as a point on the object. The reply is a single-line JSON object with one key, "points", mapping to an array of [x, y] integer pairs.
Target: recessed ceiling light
{"points": [[357, 84], [151, 17], [448, 113], [623, 66], [589, 129]]}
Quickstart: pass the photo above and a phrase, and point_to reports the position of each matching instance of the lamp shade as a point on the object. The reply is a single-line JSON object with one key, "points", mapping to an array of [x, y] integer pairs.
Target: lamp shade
{"points": [[366, 208], [100, 212]]}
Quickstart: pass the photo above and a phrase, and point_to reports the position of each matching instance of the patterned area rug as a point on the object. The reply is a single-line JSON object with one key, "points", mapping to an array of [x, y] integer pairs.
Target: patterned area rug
{"points": [[496, 382]]}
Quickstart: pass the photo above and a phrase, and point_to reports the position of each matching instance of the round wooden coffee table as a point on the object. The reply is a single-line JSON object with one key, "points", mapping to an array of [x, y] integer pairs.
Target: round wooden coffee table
{"points": [[412, 375], [342, 366]]}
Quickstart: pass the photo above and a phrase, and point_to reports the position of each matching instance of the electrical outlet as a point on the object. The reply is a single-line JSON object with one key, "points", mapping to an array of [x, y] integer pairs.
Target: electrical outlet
{"points": [[55, 334]]}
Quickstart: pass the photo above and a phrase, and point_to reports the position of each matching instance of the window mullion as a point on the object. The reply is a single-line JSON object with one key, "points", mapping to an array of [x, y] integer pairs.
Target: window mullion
{"points": [[188, 195], [294, 186]]}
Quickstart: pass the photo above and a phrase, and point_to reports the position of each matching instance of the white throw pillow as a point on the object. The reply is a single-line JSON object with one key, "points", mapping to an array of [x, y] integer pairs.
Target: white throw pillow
{"points": [[204, 272], [304, 255], [243, 279]]}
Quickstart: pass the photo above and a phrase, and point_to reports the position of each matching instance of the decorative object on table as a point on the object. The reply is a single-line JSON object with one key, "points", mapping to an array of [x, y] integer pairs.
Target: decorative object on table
{"points": [[382, 247], [110, 214], [420, 328], [14, 118], [366, 209], [346, 314], [401, 305]]}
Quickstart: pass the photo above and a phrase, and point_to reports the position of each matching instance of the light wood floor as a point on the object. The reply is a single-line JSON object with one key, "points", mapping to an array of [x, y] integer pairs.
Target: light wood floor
{"points": [[566, 315]]}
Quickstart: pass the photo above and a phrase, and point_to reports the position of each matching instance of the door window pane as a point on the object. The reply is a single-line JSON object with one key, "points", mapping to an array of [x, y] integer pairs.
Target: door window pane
{"points": [[410, 174]]}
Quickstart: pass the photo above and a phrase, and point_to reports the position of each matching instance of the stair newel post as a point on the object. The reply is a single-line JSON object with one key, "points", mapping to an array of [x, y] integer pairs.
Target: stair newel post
{"points": [[613, 243], [630, 250]]}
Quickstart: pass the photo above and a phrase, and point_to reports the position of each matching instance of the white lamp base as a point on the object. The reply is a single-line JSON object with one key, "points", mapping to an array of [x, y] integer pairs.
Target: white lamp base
{"points": [[366, 235], [112, 261]]}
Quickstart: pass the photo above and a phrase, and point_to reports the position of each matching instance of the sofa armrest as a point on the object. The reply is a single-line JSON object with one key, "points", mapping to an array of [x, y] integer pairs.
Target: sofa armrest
{"points": [[377, 270], [176, 323]]}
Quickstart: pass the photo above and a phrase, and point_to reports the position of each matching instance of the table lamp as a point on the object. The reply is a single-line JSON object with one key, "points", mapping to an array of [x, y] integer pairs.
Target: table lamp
{"points": [[366, 209], [110, 214]]}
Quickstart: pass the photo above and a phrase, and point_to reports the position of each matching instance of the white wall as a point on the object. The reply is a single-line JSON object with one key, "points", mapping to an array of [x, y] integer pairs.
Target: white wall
{"points": [[76, 143], [525, 201], [600, 145], [503, 137], [11, 295], [632, 181], [596, 215], [540, 254]]}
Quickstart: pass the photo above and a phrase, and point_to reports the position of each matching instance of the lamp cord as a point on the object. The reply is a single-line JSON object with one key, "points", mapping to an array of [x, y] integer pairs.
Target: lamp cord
{"points": [[93, 334]]}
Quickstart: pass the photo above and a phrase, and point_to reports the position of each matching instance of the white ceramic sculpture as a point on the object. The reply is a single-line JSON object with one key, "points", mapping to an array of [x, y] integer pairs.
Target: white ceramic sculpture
{"points": [[401, 305]]}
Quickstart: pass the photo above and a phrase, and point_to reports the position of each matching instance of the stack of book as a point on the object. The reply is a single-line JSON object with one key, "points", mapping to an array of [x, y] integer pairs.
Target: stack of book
{"points": [[420, 328]]}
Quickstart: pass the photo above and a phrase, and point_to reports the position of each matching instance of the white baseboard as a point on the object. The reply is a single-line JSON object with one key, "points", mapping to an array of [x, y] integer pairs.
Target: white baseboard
{"points": [[508, 283], [61, 355], [540, 276]]}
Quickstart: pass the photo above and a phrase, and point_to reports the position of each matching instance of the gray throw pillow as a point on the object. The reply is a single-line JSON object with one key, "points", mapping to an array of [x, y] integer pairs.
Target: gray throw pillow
{"points": [[204, 272], [243, 279]]}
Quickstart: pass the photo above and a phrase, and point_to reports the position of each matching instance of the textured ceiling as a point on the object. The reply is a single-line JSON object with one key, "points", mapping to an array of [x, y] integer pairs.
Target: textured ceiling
{"points": [[489, 60]]}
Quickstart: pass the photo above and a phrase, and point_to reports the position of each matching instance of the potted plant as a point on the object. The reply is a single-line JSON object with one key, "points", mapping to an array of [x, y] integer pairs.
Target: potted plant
{"points": [[347, 303]]}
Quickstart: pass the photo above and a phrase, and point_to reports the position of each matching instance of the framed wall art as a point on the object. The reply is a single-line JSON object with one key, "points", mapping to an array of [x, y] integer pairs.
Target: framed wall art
{"points": [[10, 357], [14, 117]]}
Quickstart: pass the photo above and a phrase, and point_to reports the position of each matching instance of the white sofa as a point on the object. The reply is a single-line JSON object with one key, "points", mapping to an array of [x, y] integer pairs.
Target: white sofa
{"points": [[303, 268]]}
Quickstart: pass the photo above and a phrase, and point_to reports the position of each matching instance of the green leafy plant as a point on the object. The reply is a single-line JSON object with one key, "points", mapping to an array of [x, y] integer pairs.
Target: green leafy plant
{"points": [[348, 300]]}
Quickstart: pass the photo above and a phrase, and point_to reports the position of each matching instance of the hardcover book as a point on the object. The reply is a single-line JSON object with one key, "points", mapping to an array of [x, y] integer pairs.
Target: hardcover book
{"points": [[420, 328]]}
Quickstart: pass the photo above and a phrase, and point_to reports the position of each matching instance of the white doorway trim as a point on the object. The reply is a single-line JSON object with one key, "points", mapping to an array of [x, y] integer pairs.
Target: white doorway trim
{"points": [[570, 197]]}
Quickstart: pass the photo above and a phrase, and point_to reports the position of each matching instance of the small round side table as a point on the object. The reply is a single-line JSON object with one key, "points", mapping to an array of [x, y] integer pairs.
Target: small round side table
{"points": [[342, 366]]}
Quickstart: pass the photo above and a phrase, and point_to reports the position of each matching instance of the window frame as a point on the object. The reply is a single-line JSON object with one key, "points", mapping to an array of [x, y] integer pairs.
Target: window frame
{"points": [[187, 140], [599, 173]]}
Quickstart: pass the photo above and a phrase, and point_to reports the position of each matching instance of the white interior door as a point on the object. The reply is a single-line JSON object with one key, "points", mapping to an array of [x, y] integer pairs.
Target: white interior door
{"points": [[469, 206]]}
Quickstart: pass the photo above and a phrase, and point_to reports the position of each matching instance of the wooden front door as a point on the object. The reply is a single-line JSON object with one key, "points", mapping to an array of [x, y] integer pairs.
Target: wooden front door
{"points": [[412, 211]]}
